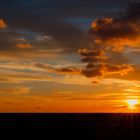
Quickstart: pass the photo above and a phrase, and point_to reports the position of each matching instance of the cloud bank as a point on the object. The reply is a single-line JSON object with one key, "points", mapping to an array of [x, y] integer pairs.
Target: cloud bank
{"points": [[111, 35]]}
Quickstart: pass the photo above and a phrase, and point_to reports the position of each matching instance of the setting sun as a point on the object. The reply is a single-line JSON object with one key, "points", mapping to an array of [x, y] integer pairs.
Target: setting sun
{"points": [[132, 103], [58, 59]]}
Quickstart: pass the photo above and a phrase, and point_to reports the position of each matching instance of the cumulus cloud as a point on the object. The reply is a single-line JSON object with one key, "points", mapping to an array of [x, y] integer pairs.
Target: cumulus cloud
{"points": [[120, 32], [111, 35], [115, 34], [97, 64], [2, 24]]}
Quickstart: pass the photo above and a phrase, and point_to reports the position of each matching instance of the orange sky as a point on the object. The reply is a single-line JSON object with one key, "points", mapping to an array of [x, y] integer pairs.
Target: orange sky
{"points": [[56, 58]]}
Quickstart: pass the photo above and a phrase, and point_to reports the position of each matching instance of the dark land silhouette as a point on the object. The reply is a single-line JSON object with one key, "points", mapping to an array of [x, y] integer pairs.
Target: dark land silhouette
{"points": [[71, 126]]}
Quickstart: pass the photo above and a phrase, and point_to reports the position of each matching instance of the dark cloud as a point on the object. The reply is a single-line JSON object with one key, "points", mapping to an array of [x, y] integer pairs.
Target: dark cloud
{"points": [[30, 19], [118, 33], [109, 36], [92, 56], [103, 70], [50, 18], [27, 17], [98, 64], [91, 70], [68, 71]]}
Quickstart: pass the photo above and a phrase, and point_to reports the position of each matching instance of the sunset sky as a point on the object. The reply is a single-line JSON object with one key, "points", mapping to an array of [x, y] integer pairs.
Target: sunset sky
{"points": [[69, 55]]}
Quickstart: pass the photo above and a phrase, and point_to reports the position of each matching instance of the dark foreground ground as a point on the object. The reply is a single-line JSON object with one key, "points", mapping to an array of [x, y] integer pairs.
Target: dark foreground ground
{"points": [[70, 126]]}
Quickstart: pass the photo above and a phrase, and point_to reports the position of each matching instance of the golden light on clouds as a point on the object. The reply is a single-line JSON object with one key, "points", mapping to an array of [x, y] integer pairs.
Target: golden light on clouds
{"points": [[2, 24], [63, 65], [24, 46]]}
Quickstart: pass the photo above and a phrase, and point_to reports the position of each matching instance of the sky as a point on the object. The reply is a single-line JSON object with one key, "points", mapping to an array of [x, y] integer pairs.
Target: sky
{"points": [[69, 56]]}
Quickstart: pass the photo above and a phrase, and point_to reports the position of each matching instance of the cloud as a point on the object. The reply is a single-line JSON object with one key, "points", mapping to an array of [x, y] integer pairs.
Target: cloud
{"points": [[14, 46], [97, 64], [39, 67], [45, 34], [58, 70], [46, 31], [111, 36], [121, 69], [24, 46], [52, 22], [11, 73], [3, 25], [97, 59], [96, 55], [34, 72], [43, 38], [103, 70], [16, 75], [120, 32], [15, 90], [116, 34], [68, 71]]}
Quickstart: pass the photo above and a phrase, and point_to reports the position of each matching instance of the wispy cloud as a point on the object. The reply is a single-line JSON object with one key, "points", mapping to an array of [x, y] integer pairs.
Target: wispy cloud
{"points": [[19, 90]]}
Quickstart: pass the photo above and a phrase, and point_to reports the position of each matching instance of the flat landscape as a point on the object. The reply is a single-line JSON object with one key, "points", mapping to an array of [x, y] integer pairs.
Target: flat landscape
{"points": [[87, 126]]}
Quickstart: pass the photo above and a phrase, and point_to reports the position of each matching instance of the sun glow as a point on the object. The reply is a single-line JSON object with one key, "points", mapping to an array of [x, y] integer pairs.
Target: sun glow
{"points": [[132, 103]]}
